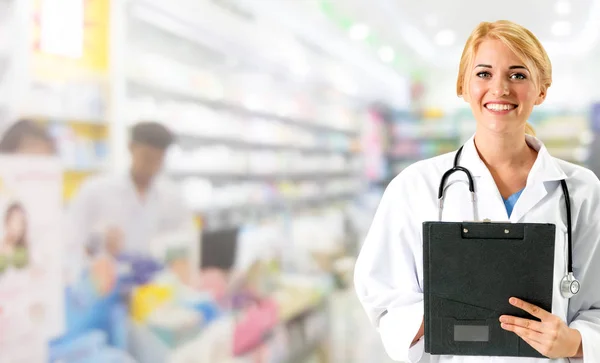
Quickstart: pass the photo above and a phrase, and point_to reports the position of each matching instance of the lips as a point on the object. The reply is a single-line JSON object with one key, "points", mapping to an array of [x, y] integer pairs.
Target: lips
{"points": [[499, 107]]}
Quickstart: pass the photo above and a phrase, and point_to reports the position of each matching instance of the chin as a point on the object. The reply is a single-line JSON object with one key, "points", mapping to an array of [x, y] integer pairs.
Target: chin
{"points": [[500, 127]]}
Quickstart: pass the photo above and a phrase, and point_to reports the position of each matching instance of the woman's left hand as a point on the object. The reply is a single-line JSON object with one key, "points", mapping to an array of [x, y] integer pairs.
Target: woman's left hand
{"points": [[551, 337]]}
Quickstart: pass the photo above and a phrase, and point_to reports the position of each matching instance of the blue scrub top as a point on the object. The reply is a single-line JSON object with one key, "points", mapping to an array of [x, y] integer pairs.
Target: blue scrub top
{"points": [[510, 202]]}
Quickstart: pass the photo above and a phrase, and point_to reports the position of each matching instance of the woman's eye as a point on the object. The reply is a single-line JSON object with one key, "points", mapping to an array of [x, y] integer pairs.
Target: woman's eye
{"points": [[518, 76], [484, 74]]}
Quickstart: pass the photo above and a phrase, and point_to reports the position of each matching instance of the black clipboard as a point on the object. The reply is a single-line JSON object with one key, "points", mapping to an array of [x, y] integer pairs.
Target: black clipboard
{"points": [[470, 270]]}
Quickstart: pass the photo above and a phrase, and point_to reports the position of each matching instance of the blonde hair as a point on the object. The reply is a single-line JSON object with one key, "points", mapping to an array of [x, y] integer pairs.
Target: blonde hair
{"points": [[520, 41]]}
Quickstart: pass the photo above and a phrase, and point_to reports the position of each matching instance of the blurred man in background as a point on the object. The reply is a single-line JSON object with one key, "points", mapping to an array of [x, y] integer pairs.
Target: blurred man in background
{"points": [[123, 213]]}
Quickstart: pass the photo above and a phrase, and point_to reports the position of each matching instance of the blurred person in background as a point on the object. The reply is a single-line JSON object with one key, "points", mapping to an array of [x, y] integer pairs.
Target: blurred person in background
{"points": [[26, 137], [123, 213]]}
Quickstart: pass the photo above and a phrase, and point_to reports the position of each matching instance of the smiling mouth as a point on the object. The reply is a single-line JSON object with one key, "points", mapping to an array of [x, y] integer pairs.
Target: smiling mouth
{"points": [[500, 106]]}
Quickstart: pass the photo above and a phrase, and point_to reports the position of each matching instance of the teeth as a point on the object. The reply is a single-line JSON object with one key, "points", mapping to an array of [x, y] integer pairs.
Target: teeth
{"points": [[499, 107]]}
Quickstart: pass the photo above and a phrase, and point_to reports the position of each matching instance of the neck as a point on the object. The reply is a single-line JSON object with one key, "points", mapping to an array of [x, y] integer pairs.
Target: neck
{"points": [[505, 151], [141, 184]]}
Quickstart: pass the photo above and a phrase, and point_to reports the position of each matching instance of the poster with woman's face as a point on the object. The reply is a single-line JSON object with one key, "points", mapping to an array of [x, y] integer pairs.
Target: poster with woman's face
{"points": [[31, 253]]}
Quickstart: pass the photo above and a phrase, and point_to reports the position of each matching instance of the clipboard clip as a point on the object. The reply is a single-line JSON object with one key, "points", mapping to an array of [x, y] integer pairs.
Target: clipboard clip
{"points": [[485, 220]]}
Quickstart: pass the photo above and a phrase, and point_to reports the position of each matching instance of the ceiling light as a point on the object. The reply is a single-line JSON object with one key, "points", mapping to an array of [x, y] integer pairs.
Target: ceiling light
{"points": [[562, 7], [561, 28], [445, 37], [359, 32], [386, 54]]}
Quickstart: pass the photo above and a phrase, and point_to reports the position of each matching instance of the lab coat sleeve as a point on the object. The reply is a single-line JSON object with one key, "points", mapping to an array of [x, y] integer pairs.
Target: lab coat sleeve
{"points": [[386, 272], [584, 308]]}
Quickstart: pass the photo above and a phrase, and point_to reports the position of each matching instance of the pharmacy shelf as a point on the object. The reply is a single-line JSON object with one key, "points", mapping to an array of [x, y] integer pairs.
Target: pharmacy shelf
{"points": [[188, 140], [67, 120], [426, 138], [139, 85], [276, 204], [223, 218], [233, 177]]}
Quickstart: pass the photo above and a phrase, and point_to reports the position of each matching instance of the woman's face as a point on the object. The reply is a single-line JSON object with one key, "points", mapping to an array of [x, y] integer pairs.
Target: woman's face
{"points": [[15, 226], [31, 145], [501, 90]]}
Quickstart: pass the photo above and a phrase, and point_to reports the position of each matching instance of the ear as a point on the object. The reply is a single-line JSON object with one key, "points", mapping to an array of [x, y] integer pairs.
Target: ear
{"points": [[465, 97], [464, 94], [541, 97]]}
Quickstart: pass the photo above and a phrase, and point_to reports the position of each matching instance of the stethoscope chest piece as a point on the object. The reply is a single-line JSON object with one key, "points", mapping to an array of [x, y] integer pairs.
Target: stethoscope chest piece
{"points": [[569, 286]]}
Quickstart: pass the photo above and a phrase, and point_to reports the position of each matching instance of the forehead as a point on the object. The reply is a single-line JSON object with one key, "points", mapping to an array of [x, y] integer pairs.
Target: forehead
{"points": [[16, 213], [144, 148], [495, 53], [31, 144]]}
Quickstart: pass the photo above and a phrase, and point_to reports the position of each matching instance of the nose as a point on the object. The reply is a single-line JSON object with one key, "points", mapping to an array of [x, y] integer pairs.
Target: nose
{"points": [[500, 87]]}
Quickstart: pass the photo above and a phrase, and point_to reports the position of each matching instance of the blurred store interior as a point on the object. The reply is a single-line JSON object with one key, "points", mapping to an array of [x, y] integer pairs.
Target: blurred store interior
{"points": [[290, 117]]}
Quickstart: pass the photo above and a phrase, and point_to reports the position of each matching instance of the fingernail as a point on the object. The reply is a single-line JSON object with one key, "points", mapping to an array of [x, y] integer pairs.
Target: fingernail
{"points": [[512, 300]]}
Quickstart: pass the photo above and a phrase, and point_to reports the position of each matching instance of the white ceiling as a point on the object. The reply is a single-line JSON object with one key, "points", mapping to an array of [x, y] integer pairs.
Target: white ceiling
{"points": [[410, 29], [412, 26]]}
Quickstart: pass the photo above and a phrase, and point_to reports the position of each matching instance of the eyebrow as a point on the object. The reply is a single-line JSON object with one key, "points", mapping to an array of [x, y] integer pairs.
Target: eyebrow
{"points": [[511, 67]]}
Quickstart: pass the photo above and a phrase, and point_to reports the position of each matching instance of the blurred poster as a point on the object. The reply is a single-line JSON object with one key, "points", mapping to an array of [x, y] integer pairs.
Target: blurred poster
{"points": [[70, 38], [31, 283]]}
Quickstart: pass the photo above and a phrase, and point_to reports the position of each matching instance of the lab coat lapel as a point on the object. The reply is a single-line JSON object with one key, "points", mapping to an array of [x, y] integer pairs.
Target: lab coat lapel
{"points": [[544, 170], [530, 197]]}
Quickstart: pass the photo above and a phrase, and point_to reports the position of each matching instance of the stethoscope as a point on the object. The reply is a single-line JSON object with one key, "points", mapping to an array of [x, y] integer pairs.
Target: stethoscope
{"points": [[569, 285]]}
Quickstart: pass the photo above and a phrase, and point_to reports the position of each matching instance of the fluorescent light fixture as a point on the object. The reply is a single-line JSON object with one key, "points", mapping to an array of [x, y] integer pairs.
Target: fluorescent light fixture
{"points": [[562, 7], [445, 38], [561, 28], [386, 53], [359, 32]]}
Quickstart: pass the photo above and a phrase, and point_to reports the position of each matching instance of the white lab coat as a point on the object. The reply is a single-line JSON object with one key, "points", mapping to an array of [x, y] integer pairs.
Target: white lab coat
{"points": [[109, 201], [389, 271]]}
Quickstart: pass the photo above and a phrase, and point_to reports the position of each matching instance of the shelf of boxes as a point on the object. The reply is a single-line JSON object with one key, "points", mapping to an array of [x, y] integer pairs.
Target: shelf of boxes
{"points": [[414, 138]]}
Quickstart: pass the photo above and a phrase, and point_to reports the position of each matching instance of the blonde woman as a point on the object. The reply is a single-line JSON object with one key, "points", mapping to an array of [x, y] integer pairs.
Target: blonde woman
{"points": [[504, 73]]}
